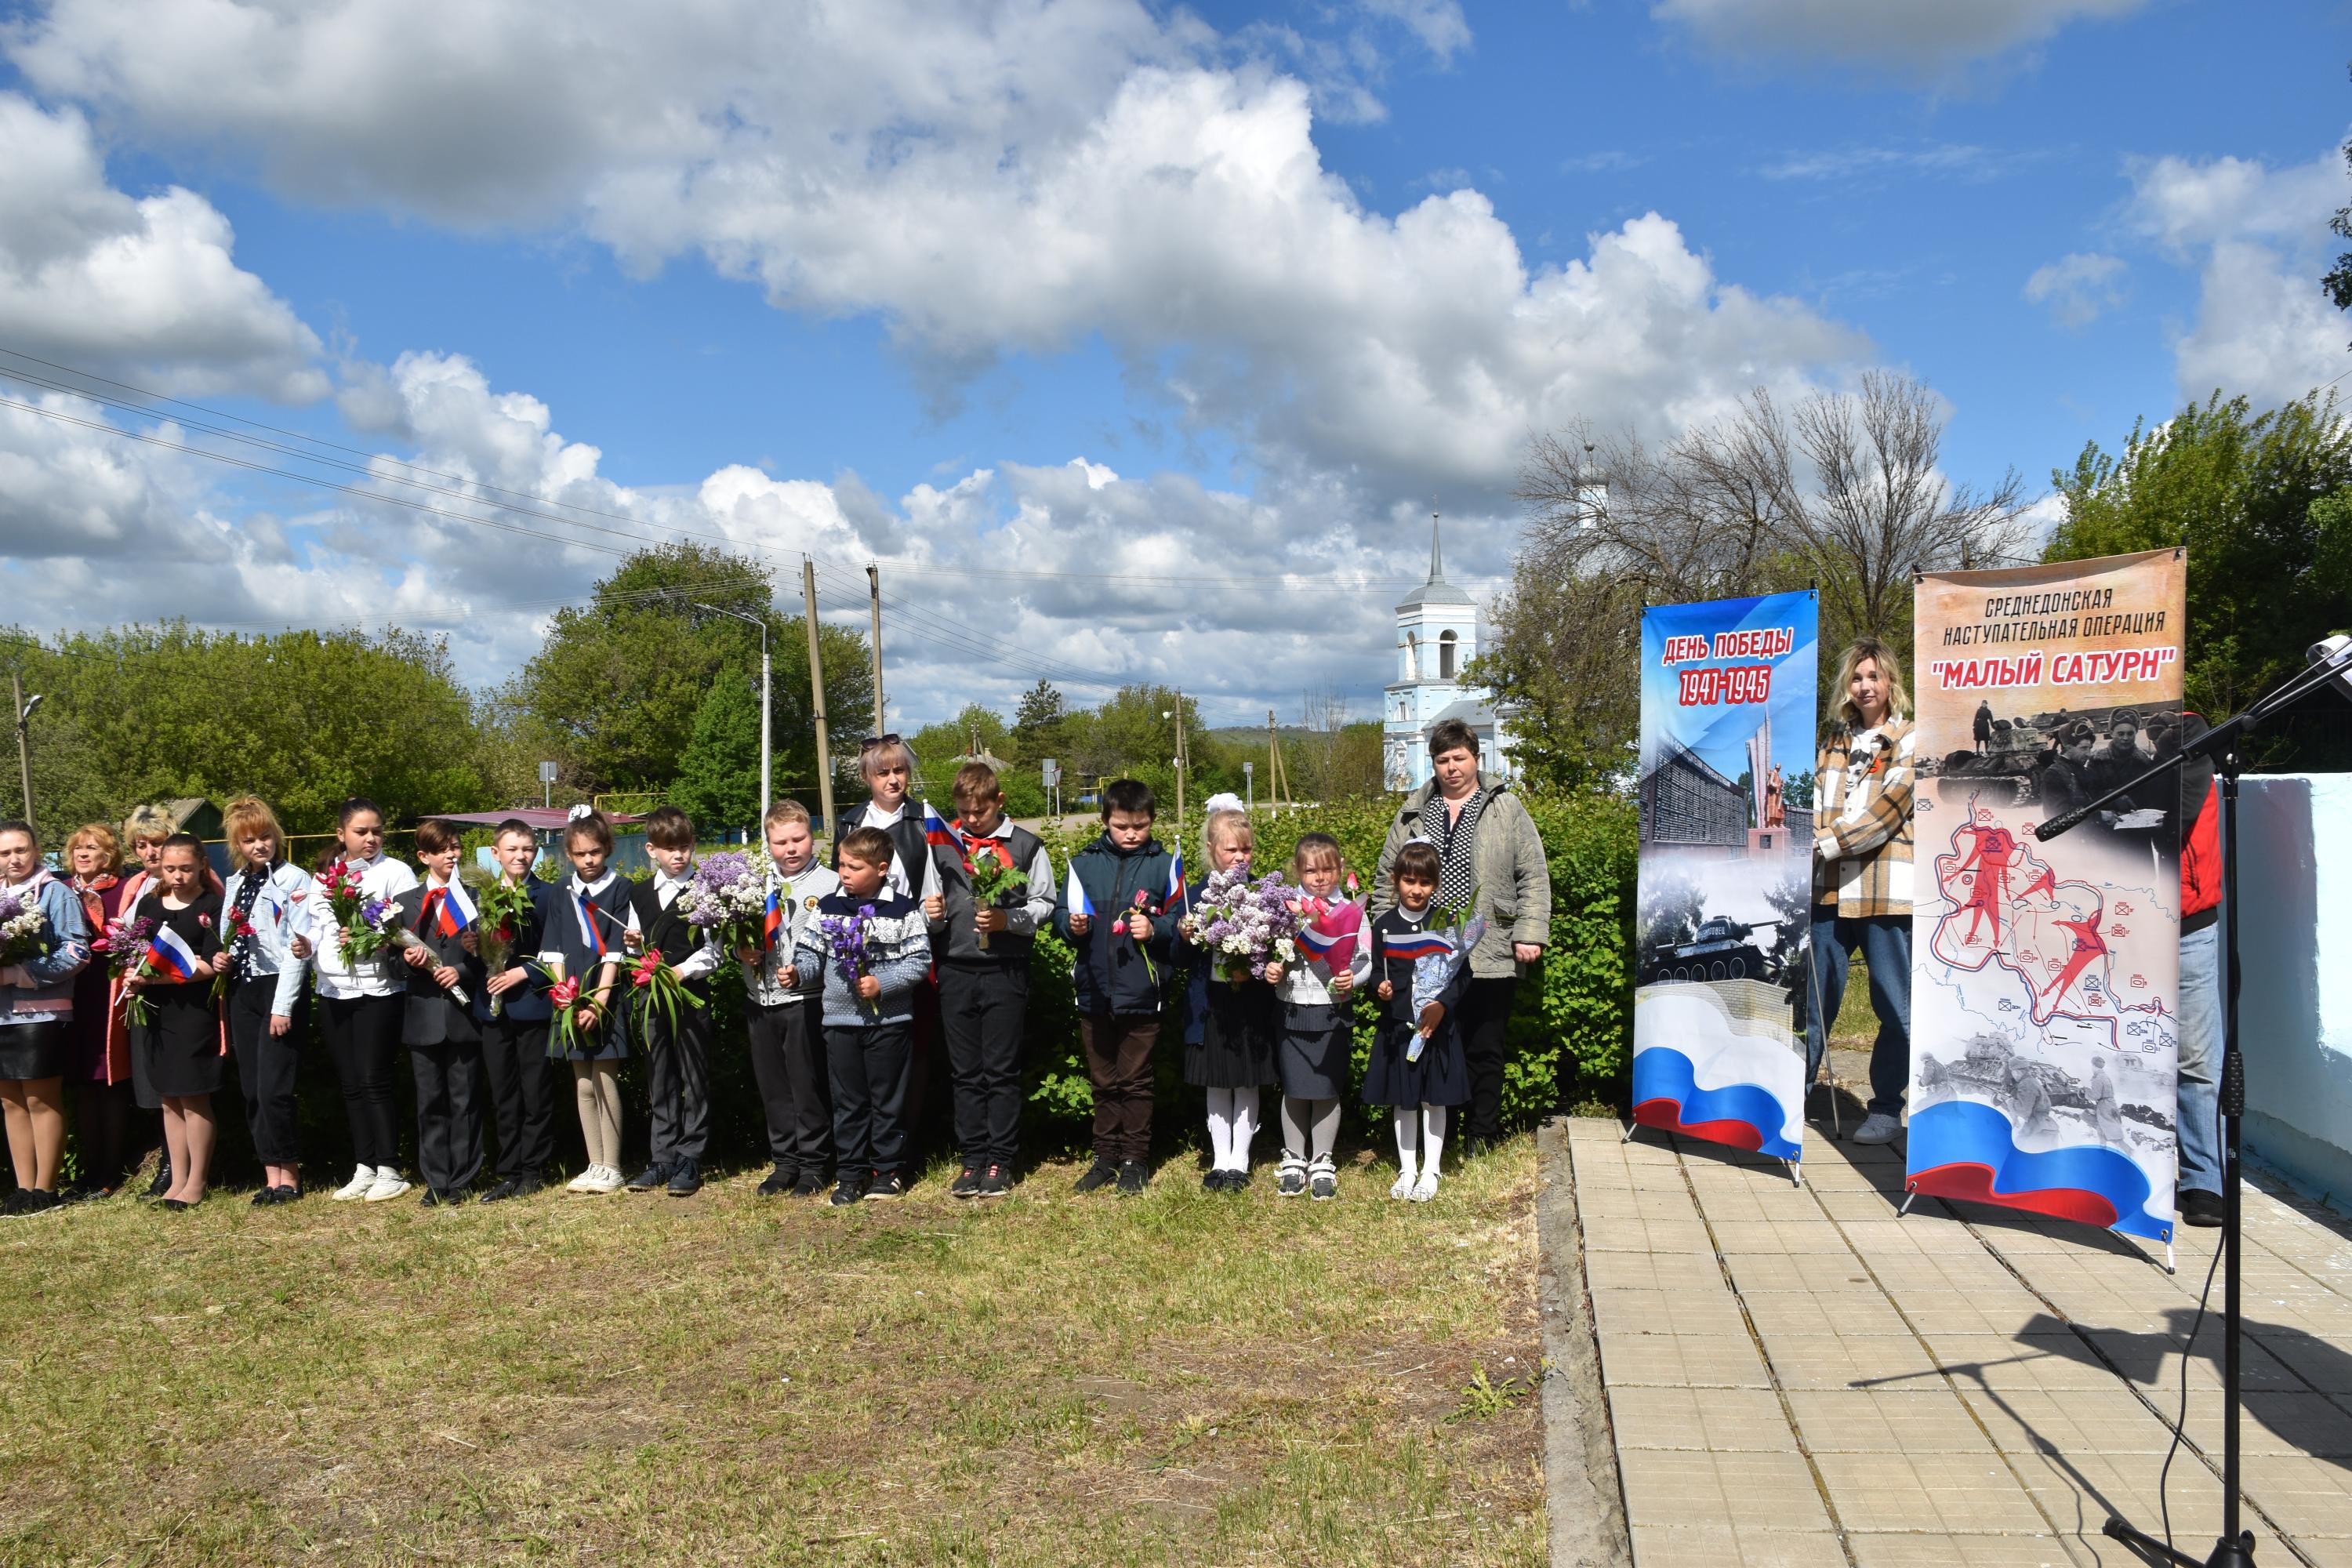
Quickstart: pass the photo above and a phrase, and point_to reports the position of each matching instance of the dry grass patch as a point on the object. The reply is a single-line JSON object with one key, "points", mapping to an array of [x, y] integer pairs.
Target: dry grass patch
{"points": [[1047, 1379]]}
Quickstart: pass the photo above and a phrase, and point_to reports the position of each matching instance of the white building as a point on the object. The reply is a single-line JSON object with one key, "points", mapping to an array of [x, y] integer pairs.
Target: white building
{"points": [[1437, 636]]}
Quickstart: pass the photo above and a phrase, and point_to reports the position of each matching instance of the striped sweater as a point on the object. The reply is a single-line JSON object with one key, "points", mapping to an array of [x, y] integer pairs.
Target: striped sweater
{"points": [[1862, 821]]}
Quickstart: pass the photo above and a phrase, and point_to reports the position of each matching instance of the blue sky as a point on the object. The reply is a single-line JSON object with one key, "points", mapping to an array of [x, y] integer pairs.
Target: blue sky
{"points": [[867, 285]]}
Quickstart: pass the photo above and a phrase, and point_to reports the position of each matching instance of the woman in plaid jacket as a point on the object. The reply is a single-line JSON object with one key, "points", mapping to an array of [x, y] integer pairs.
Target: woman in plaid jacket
{"points": [[1861, 873]]}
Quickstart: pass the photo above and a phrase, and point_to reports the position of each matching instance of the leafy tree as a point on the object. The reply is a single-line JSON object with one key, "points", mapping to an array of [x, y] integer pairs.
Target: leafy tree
{"points": [[2338, 281], [718, 783], [1038, 723], [2261, 502], [305, 719], [620, 679]]}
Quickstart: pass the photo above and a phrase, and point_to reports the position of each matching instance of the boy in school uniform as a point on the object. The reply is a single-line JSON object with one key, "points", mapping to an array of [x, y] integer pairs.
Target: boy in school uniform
{"points": [[444, 1041], [983, 969], [787, 1045], [1124, 948], [523, 1082], [677, 1051], [869, 1017]]}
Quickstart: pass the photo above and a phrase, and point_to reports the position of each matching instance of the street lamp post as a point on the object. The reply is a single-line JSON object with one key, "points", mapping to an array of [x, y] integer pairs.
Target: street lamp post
{"points": [[766, 706], [24, 712]]}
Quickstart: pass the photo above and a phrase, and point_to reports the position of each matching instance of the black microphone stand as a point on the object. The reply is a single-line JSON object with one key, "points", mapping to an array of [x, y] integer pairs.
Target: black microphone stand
{"points": [[2235, 1549]]}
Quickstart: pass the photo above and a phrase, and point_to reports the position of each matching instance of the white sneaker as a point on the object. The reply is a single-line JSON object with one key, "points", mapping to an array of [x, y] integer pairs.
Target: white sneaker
{"points": [[1403, 1186], [1877, 1128], [608, 1180], [1426, 1188], [357, 1187], [388, 1186], [585, 1182]]}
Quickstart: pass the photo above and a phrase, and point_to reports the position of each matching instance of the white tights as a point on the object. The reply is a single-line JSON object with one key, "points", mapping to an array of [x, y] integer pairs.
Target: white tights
{"points": [[1233, 1123], [1420, 1137]]}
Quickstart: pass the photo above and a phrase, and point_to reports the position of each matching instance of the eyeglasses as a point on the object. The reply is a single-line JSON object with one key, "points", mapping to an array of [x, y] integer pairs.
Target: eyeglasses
{"points": [[875, 742]]}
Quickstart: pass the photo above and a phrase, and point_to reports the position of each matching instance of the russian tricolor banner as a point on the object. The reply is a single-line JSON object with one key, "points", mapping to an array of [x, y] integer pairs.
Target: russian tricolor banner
{"points": [[454, 910], [1074, 895], [172, 955]]}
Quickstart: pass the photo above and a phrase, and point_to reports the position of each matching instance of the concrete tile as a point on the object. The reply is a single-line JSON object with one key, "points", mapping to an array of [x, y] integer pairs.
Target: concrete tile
{"points": [[1852, 1207], [2323, 1361], [1725, 1419], [1848, 1312], [1935, 1551], [1628, 1234], [1681, 1360], [1874, 1237], [2309, 1423], [1742, 1491], [2308, 1497], [1927, 1420], [2078, 1491], [1941, 1309], [1687, 1311], [1816, 1237], [1836, 1361], [2154, 1364], [1944, 1493], [1666, 1546], [1762, 1271], [1652, 1271], [2109, 1420], [1633, 1203]]}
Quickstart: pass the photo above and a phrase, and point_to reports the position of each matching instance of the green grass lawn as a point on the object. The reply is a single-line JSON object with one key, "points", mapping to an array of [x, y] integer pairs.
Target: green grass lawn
{"points": [[1048, 1379]]}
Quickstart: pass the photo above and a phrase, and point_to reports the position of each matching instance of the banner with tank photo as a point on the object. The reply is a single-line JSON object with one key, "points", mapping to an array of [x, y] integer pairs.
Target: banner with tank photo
{"points": [[2044, 977], [1728, 705]]}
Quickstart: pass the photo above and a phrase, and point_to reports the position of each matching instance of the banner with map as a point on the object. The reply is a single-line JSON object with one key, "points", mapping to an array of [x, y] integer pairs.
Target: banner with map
{"points": [[1728, 698], [2044, 977]]}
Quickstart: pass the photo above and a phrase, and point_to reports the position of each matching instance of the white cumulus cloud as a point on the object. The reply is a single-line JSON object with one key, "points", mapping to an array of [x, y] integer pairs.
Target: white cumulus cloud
{"points": [[2078, 287]]}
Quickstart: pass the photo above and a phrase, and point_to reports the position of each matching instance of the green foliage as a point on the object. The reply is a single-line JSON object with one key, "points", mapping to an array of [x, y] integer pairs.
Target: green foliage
{"points": [[618, 681], [1037, 724], [2258, 501], [304, 720], [1566, 654], [718, 781]]}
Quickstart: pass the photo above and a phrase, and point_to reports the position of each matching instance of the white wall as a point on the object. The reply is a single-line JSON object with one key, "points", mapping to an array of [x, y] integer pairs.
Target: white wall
{"points": [[2294, 943]]}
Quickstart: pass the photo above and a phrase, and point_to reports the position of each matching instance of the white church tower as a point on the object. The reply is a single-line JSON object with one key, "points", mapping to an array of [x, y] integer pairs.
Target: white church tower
{"points": [[1437, 636]]}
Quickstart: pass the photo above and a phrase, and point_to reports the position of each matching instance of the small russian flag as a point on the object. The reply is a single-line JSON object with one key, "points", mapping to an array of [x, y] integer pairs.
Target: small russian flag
{"points": [[453, 911], [1176, 875], [1414, 946], [172, 953], [1074, 896], [588, 923], [772, 919], [938, 831], [1332, 934]]}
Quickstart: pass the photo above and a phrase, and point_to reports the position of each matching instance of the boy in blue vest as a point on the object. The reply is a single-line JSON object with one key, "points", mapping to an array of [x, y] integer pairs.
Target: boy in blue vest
{"points": [[1114, 913], [983, 968]]}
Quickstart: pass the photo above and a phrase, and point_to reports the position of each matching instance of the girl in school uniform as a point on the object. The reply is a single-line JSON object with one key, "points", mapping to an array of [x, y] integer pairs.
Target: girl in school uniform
{"points": [[182, 1041], [589, 931], [267, 903], [100, 1068], [363, 1003], [1317, 1036], [1233, 1056], [1417, 1085], [36, 996]]}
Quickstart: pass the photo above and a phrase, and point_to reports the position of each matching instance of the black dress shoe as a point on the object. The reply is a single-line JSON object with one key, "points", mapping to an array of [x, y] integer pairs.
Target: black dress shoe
{"points": [[1102, 1175], [178, 1205], [649, 1178], [811, 1182], [781, 1180], [498, 1193], [526, 1186], [2201, 1209], [684, 1179], [163, 1182]]}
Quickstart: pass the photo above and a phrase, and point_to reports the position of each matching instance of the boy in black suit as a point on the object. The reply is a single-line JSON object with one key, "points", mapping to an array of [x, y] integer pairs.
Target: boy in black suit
{"points": [[445, 1043], [524, 1082], [677, 1052]]}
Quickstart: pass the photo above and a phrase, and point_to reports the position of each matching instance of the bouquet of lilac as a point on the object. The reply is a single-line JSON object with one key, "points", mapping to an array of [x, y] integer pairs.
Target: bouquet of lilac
{"points": [[1245, 924], [847, 941], [24, 929], [730, 899]]}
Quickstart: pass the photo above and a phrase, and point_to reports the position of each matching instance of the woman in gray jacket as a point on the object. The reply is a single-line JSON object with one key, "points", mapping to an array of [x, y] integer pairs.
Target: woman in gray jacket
{"points": [[1488, 851]]}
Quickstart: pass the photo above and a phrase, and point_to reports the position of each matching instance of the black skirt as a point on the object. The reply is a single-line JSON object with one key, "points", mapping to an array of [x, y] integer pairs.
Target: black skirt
{"points": [[1440, 1078], [182, 1043], [1236, 1046], [32, 1051], [1315, 1051]]}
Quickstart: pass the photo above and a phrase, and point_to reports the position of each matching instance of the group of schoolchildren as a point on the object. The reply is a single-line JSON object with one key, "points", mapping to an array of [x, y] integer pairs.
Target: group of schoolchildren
{"points": [[865, 967]]}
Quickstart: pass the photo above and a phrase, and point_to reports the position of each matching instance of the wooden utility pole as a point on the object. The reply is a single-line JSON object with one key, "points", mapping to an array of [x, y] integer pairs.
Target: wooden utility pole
{"points": [[1277, 782], [816, 696], [1181, 760], [874, 605]]}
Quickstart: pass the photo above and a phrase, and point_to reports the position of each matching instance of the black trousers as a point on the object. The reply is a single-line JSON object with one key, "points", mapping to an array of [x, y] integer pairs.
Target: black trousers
{"points": [[363, 1037], [523, 1087], [870, 1066], [788, 1063], [677, 1082], [983, 1008], [448, 1113], [102, 1130], [1484, 1026], [265, 1070]]}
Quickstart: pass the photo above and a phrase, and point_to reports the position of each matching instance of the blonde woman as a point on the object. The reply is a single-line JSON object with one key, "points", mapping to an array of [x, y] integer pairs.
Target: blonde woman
{"points": [[265, 902], [1862, 872], [101, 1071], [145, 829]]}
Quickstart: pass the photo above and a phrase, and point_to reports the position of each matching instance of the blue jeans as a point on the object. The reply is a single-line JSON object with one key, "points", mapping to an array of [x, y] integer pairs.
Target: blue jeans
{"points": [[2200, 1059], [1885, 942]]}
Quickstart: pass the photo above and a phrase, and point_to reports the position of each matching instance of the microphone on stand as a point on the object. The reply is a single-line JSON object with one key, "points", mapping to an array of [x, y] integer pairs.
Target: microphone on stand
{"points": [[2335, 650]]}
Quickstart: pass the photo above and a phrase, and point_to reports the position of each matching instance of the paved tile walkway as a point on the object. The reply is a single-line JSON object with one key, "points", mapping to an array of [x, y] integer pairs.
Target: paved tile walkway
{"points": [[1796, 1376]]}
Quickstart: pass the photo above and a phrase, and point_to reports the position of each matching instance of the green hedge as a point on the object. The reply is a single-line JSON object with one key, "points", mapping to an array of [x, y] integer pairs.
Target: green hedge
{"points": [[1570, 1035]]}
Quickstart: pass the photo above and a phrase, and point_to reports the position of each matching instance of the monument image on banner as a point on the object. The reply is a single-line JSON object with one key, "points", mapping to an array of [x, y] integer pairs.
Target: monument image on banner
{"points": [[2045, 975], [1728, 695]]}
